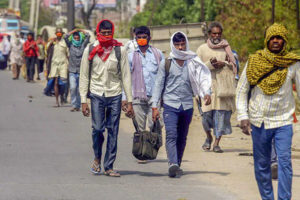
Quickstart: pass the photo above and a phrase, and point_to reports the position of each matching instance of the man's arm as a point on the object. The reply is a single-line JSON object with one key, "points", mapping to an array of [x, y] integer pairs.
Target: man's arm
{"points": [[297, 79], [84, 76], [242, 90], [159, 84], [66, 38], [205, 81], [86, 40], [126, 75]]}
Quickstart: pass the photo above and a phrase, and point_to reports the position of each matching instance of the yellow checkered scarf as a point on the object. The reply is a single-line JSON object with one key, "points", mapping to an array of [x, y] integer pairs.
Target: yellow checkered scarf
{"points": [[264, 61]]}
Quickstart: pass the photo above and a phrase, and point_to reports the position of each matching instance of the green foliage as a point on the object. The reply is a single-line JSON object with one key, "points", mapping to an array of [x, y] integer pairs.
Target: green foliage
{"points": [[25, 9], [245, 23], [45, 17], [244, 20], [4, 4], [166, 12]]}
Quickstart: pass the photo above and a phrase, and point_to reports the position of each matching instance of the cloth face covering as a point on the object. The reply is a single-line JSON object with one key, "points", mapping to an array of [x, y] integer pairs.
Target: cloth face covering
{"points": [[264, 61], [106, 43], [181, 55]]}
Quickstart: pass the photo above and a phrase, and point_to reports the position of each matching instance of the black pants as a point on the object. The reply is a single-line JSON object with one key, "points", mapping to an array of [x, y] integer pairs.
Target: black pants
{"points": [[3, 64], [30, 65], [40, 65]]}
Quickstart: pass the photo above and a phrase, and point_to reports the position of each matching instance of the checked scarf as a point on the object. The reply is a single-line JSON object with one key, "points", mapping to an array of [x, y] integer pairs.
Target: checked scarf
{"points": [[264, 61]]}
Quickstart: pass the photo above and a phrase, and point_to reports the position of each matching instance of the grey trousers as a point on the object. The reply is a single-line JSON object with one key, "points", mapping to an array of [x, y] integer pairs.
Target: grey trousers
{"points": [[143, 113]]}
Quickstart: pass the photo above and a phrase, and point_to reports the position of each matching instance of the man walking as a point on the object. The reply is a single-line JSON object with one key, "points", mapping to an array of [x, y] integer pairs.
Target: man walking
{"points": [[144, 62], [16, 58], [31, 52], [41, 58], [217, 55], [183, 76], [265, 106], [104, 72], [58, 59], [76, 41]]}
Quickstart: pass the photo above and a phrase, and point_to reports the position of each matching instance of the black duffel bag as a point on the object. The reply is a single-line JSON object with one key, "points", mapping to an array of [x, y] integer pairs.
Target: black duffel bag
{"points": [[146, 143]]}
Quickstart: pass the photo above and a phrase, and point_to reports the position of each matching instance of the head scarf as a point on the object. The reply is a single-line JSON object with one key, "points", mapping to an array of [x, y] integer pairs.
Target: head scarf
{"points": [[264, 61], [105, 45], [77, 43], [181, 55]]}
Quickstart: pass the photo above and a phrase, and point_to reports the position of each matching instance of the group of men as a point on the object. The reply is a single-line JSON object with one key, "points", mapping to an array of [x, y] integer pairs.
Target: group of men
{"points": [[141, 82]]}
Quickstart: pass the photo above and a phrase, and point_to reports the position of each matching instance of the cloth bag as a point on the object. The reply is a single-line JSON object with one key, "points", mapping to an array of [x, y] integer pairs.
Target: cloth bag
{"points": [[146, 143], [24, 71], [226, 83]]}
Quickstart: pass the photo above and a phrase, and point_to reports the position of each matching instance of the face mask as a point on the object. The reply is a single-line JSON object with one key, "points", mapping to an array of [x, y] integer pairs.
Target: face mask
{"points": [[108, 36], [142, 42], [59, 34]]}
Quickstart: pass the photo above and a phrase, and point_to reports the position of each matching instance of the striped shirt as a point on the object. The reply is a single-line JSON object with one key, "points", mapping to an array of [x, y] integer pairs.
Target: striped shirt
{"points": [[273, 110]]}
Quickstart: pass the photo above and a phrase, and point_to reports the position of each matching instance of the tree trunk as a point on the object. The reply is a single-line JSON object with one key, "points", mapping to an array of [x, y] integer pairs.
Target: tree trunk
{"points": [[298, 15], [154, 5], [86, 15], [273, 11], [202, 11]]}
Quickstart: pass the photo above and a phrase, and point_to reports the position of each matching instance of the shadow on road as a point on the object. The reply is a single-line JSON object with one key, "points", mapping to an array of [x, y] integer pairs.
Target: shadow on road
{"points": [[151, 174]]}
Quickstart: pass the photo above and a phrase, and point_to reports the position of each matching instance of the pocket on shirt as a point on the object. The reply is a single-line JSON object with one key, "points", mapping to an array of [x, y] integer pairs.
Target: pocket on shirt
{"points": [[113, 66]]}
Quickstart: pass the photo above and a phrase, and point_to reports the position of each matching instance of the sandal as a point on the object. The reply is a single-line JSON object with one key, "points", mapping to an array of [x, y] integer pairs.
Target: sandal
{"points": [[96, 169], [112, 173], [207, 144], [217, 149]]}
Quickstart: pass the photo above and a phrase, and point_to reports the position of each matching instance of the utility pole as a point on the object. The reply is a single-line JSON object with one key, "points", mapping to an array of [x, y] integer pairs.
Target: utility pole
{"points": [[37, 17], [202, 11], [71, 15], [32, 11], [273, 11], [11, 4], [298, 15]]}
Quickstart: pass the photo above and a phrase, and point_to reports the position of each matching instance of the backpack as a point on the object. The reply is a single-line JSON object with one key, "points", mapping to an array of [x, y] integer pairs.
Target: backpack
{"points": [[146, 143], [167, 71], [118, 55]]}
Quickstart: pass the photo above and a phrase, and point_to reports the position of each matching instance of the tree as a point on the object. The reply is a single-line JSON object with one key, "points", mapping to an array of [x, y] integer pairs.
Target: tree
{"points": [[4, 4], [86, 15]]}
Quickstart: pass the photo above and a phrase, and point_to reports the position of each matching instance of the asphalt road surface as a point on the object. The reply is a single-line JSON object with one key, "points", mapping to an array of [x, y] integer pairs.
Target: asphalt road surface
{"points": [[45, 154]]}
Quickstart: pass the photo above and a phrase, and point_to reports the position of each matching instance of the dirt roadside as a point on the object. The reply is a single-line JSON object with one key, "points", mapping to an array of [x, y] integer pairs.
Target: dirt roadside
{"points": [[228, 171]]}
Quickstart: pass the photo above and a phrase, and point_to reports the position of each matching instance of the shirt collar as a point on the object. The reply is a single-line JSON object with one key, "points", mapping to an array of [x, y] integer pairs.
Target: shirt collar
{"points": [[149, 50]]}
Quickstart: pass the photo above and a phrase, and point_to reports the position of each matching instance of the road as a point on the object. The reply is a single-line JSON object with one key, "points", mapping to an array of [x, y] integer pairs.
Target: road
{"points": [[45, 154]]}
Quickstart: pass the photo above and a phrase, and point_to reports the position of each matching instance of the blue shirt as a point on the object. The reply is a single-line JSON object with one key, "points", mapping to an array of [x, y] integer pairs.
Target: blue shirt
{"points": [[178, 90], [150, 67]]}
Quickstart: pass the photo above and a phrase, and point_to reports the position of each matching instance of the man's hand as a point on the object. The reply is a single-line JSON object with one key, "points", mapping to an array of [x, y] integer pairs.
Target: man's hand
{"points": [[217, 64], [130, 112], [245, 126], [85, 109], [155, 114], [124, 105], [207, 99]]}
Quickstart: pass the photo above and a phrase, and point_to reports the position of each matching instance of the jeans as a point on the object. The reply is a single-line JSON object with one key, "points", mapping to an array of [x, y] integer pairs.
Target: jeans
{"points": [[105, 114], [177, 122], [273, 153], [40, 65], [74, 89], [262, 147], [30, 65]]}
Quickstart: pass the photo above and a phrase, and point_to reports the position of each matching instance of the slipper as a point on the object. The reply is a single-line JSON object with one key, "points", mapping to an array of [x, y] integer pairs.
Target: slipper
{"points": [[207, 144], [112, 173], [217, 149], [142, 161], [96, 169]]}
